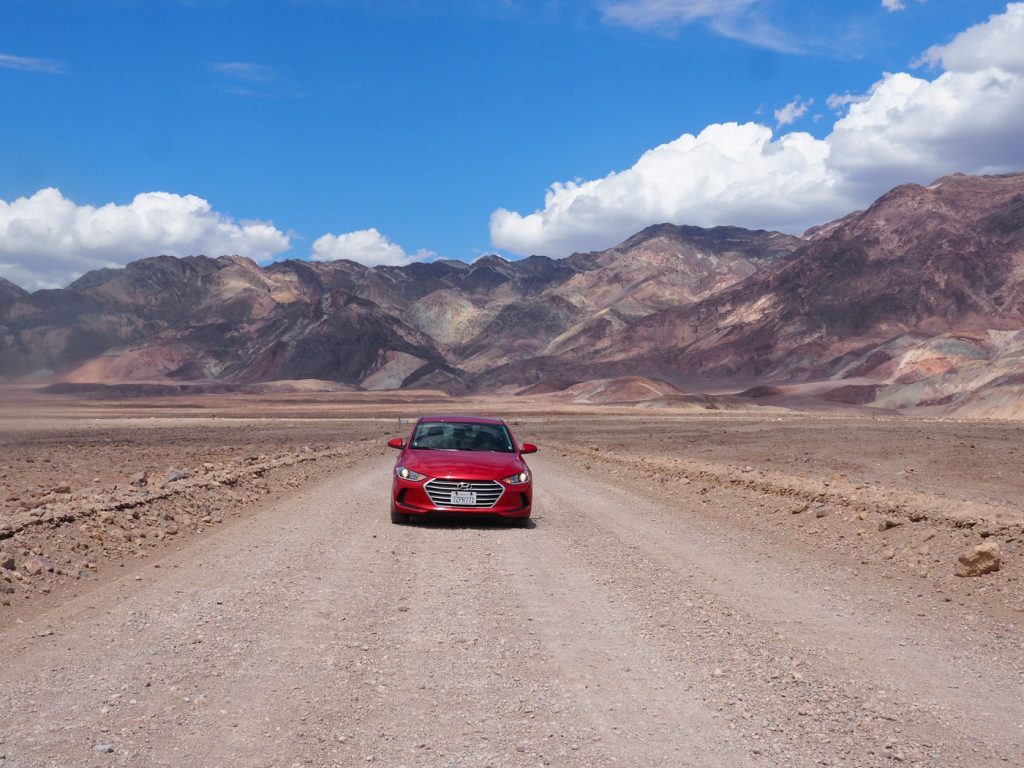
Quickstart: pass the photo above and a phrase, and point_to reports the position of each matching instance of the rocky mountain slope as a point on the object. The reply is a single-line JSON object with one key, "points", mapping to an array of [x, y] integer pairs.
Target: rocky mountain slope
{"points": [[916, 301], [9, 292], [425, 325]]}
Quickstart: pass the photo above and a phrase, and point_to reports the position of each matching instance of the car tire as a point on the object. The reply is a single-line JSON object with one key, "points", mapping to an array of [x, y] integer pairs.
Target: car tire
{"points": [[519, 522], [398, 518]]}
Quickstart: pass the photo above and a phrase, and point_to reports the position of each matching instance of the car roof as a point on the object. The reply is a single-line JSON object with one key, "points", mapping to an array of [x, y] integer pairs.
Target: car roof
{"points": [[464, 419]]}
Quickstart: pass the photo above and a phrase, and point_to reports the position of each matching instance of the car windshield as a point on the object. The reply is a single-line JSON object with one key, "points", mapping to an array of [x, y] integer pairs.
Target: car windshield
{"points": [[462, 436]]}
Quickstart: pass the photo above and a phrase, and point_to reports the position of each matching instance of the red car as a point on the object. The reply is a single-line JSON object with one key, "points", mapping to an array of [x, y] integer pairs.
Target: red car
{"points": [[461, 465]]}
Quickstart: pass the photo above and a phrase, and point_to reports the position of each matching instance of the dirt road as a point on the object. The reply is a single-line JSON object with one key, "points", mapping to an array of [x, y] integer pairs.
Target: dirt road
{"points": [[631, 626]]}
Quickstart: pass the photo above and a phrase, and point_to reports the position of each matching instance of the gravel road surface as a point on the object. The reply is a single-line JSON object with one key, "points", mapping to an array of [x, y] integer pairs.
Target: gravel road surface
{"points": [[630, 626]]}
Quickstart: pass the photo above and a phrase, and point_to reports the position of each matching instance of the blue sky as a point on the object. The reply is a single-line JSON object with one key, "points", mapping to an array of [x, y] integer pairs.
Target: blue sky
{"points": [[417, 119]]}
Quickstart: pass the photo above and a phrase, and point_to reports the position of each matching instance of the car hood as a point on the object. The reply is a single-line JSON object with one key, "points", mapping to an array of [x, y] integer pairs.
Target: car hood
{"points": [[464, 465]]}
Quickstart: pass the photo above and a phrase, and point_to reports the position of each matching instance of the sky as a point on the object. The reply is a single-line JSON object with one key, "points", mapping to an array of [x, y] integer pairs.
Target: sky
{"points": [[387, 131]]}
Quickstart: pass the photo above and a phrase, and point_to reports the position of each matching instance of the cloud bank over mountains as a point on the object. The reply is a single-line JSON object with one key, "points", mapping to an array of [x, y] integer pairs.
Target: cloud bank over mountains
{"points": [[47, 240], [905, 128], [367, 246]]}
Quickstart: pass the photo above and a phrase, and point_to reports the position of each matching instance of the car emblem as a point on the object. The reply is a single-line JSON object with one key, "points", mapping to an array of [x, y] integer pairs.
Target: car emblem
{"points": [[464, 486]]}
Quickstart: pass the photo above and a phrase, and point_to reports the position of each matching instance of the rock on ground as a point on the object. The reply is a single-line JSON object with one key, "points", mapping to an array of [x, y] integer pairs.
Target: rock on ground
{"points": [[979, 560]]}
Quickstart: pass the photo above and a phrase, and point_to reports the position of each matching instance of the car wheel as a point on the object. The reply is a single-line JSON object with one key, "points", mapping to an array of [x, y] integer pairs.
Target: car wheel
{"points": [[398, 518], [519, 522]]}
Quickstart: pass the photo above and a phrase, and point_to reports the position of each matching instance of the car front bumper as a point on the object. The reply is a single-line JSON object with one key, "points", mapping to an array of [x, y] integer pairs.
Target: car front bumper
{"points": [[409, 498]]}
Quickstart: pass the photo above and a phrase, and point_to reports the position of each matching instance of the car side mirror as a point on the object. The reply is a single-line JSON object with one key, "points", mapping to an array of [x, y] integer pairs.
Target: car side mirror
{"points": [[528, 448], [396, 442]]}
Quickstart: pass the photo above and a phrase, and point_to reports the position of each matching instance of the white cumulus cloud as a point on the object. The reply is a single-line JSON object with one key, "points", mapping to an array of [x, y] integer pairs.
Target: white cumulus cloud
{"points": [[840, 101], [727, 173], [905, 128], [366, 246], [46, 240], [897, 5], [999, 42], [793, 111]]}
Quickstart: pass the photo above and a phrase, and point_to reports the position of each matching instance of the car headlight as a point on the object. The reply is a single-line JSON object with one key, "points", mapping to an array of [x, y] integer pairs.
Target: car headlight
{"points": [[519, 479], [407, 474]]}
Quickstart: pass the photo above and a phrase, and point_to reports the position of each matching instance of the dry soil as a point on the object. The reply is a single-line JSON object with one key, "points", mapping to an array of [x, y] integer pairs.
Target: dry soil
{"points": [[695, 591]]}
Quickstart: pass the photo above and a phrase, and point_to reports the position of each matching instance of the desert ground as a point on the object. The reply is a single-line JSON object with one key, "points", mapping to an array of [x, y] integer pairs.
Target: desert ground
{"points": [[214, 581]]}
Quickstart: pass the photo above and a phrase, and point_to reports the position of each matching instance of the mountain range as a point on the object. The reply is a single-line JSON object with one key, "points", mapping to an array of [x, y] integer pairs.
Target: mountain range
{"points": [[917, 301]]}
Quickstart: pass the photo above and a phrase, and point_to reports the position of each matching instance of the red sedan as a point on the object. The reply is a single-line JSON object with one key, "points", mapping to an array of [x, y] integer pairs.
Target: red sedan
{"points": [[461, 465]]}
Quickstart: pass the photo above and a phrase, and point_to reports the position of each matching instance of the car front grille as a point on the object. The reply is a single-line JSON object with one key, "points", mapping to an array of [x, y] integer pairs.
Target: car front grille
{"points": [[487, 492]]}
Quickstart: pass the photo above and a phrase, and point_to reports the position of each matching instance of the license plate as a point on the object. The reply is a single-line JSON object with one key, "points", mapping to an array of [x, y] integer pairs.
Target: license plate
{"points": [[464, 498]]}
